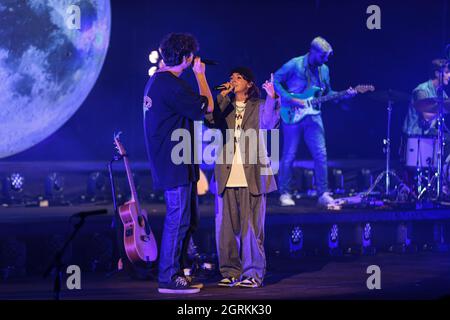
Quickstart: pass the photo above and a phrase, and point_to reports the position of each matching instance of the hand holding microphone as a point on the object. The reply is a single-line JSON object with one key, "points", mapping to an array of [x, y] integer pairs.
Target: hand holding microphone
{"points": [[225, 88], [198, 67]]}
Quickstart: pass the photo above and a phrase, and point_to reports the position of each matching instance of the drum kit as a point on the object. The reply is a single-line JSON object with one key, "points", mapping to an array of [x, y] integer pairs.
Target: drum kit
{"points": [[423, 154], [427, 153]]}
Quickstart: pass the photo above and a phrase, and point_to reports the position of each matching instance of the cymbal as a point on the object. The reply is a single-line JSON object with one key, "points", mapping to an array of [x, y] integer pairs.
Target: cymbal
{"points": [[430, 105], [390, 95]]}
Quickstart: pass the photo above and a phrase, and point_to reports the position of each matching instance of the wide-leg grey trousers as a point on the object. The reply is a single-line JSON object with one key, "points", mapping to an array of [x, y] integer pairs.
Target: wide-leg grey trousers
{"points": [[240, 233]]}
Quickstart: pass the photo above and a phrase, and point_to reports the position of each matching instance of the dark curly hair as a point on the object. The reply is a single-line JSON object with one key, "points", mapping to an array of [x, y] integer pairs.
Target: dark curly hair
{"points": [[436, 65], [175, 46]]}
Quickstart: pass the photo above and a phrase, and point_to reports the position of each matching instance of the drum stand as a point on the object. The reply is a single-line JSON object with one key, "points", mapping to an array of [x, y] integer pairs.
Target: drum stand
{"points": [[437, 178], [440, 122], [387, 149]]}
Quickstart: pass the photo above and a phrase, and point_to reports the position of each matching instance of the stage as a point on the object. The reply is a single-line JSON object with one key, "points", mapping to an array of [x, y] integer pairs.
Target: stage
{"points": [[105, 101], [403, 277], [311, 253]]}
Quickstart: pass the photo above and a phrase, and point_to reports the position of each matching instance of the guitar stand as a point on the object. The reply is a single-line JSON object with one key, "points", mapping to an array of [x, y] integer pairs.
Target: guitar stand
{"points": [[114, 223]]}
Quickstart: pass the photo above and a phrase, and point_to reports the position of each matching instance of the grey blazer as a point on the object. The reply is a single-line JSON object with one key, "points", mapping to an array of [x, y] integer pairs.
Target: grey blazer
{"points": [[259, 114]]}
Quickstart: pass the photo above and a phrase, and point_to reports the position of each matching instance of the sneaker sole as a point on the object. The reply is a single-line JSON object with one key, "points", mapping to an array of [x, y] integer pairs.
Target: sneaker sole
{"points": [[287, 205], [248, 286], [179, 291], [227, 285]]}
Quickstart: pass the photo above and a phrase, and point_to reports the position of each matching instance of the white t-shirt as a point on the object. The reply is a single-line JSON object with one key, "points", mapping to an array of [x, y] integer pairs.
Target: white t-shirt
{"points": [[237, 174]]}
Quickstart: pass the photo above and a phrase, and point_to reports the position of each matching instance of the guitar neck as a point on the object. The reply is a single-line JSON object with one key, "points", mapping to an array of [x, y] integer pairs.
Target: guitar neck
{"points": [[330, 97], [130, 180]]}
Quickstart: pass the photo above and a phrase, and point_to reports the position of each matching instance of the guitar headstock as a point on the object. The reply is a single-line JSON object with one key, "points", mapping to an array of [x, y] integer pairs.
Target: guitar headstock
{"points": [[118, 144], [364, 88]]}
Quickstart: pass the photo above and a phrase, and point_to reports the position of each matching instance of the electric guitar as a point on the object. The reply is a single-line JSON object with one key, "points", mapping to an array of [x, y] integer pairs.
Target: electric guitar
{"points": [[139, 241], [312, 99]]}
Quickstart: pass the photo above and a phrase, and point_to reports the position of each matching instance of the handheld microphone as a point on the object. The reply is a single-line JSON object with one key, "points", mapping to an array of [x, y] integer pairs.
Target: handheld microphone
{"points": [[221, 87], [208, 62], [85, 214]]}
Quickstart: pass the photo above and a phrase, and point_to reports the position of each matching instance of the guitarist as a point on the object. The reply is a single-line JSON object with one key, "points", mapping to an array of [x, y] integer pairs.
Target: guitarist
{"points": [[171, 104], [296, 76]]}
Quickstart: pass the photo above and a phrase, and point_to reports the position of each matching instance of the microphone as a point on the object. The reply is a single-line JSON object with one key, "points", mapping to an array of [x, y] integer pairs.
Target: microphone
{"points": [[85, 214], [221, 87], [208, 62]]}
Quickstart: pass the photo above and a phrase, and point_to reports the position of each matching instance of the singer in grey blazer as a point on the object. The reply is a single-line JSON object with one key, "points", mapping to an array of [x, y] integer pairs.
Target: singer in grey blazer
{"points": [[241, 192]]}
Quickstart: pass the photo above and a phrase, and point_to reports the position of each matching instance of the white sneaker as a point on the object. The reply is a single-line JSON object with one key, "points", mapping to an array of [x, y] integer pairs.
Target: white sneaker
{"points": [[325, 200], [286, 200]]}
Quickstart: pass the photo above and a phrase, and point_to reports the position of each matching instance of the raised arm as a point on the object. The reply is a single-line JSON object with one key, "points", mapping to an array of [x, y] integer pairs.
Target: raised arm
{"points": [[270, 113], [203, 87]]}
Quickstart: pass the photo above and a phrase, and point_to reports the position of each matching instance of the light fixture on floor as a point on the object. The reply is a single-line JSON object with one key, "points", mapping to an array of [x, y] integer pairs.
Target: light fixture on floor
{"points": [[54, 188], [96, 187], [12, 188], [296, 240]]}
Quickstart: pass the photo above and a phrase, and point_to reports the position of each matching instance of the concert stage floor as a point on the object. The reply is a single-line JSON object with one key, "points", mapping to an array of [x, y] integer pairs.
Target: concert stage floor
{"points": [[418, 276], [310, 272]]}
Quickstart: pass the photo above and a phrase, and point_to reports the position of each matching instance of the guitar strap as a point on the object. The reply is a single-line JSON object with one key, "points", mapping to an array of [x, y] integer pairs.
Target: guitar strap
{"points": [[308, 76]]}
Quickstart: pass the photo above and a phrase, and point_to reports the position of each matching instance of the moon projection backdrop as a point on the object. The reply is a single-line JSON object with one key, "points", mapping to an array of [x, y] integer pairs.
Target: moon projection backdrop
{"points": [[51, 53]]}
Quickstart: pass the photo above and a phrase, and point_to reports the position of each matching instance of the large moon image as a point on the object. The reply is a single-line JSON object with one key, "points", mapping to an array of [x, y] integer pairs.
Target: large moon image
{"points": [[48, 65]]}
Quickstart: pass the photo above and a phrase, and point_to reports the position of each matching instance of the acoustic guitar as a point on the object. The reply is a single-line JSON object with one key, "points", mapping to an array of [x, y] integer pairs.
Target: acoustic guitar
{"points": [[139, 241]]}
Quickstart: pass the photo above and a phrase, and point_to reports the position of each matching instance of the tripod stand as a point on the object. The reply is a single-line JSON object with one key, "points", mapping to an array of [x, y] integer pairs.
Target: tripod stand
{"points": [[389, 97]]}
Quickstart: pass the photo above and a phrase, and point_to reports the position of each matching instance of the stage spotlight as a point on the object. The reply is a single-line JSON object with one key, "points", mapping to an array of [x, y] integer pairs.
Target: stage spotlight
{"points": [[333, 241], [366, 179], [296, 240], [153, 57], [309, 184], [367, 235], [13, 187], [54, 186], [338, 178], [156, 197], [17, 182], [152, 71], [96, 187]]}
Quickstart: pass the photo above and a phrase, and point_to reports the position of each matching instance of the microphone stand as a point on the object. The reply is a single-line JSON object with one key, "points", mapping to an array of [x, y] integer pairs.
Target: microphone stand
{"points": [[386, 174], [57, 263]]}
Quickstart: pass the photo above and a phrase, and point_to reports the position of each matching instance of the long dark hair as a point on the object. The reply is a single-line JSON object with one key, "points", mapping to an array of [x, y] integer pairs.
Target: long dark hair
{"points": [[253, 92]]}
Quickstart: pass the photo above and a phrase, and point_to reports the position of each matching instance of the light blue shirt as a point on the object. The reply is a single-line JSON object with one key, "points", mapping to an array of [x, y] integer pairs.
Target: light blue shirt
{"points": [[414, 123], [296, 76]]}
